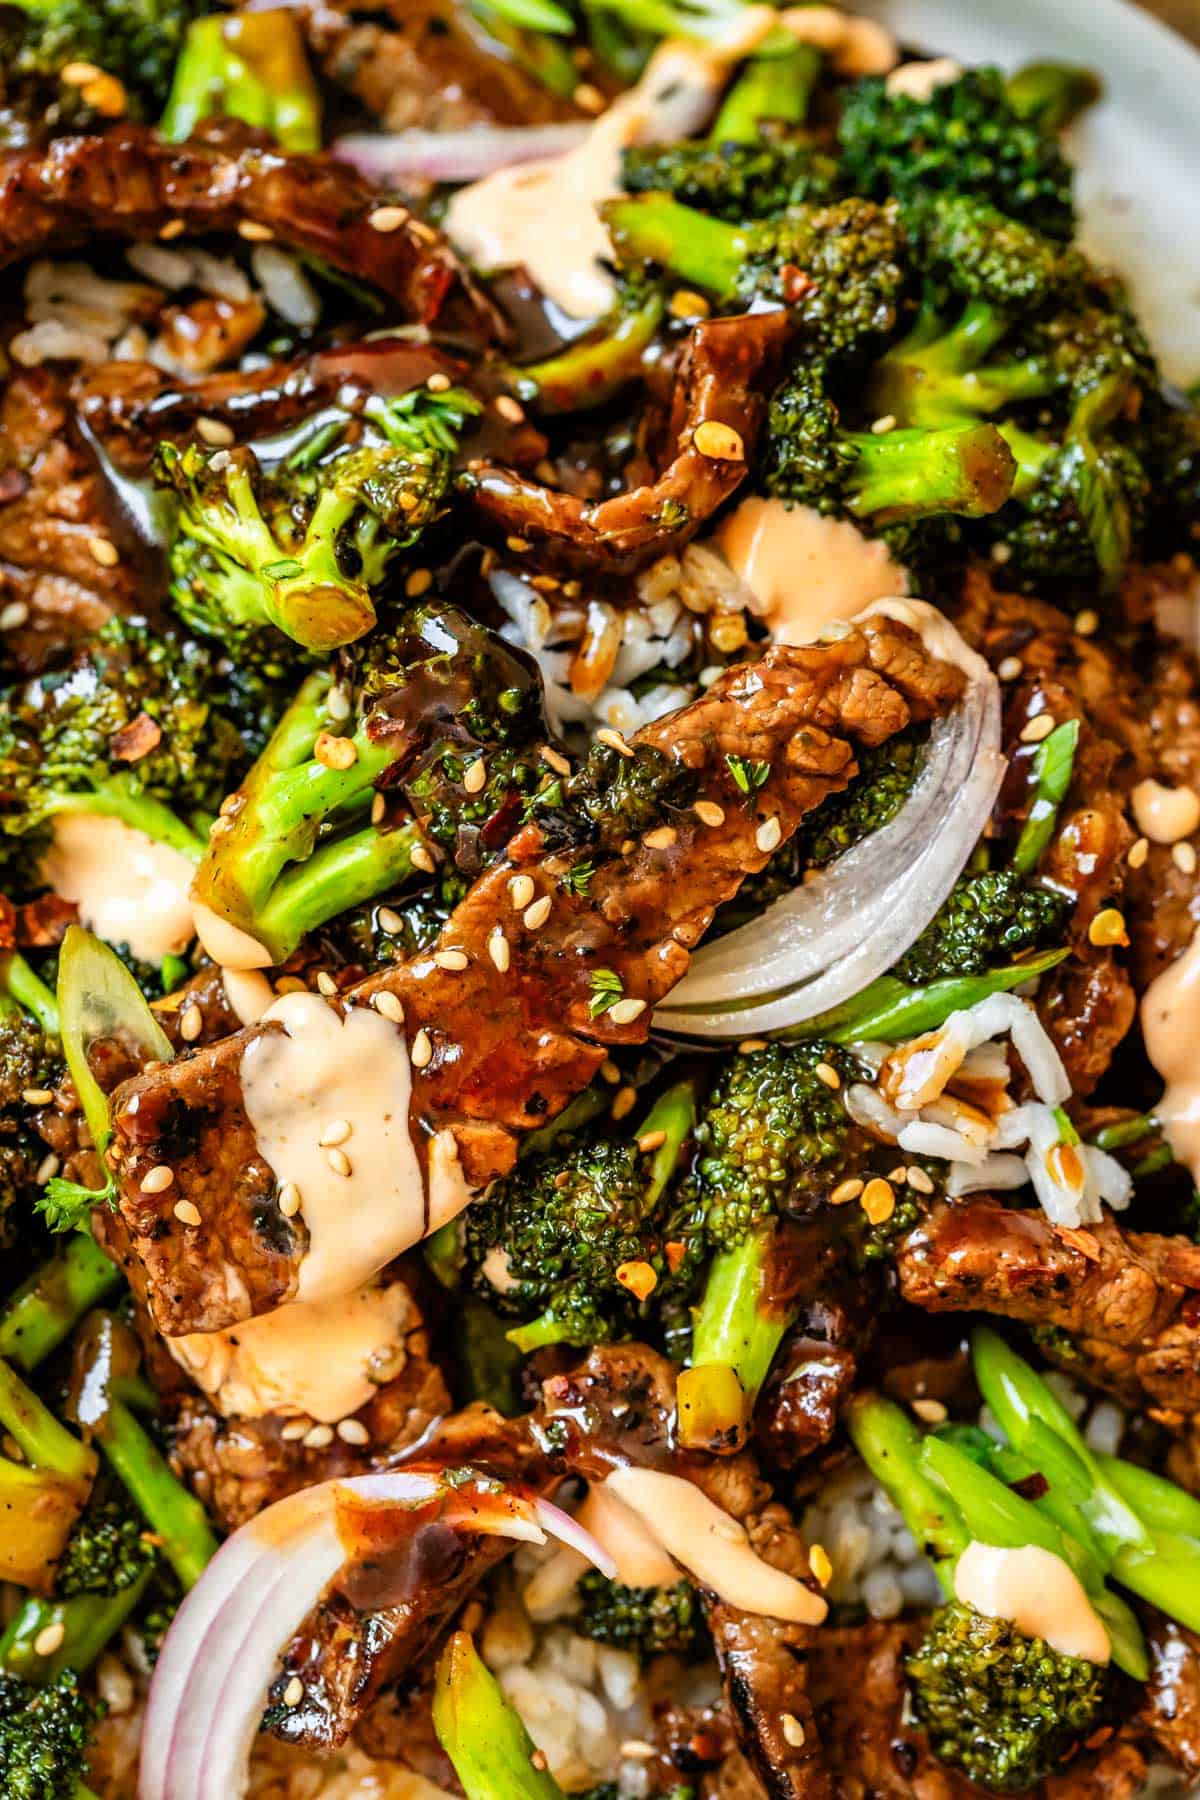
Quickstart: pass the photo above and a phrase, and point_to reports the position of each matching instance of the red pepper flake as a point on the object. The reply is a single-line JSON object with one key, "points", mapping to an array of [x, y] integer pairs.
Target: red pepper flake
{"points": [[675, 1253], [795, 282], [135, 740]]}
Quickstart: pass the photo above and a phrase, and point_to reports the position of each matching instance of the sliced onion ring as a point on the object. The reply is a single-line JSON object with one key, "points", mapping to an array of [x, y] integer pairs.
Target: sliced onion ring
{"points": [[826, 940], [454, 155], [221, 1653]]}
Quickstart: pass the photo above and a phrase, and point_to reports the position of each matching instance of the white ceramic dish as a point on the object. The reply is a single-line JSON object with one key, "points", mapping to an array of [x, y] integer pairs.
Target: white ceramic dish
{"points": [[1138, 152]]}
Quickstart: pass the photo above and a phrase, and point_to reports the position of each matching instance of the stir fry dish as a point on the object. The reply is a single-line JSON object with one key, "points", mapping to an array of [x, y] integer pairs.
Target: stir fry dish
{"points": [[599, 917]]}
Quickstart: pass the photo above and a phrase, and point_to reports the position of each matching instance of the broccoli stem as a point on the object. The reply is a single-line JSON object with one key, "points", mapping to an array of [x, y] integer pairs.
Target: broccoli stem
{"points": [[1052, 95], [27, 988], [1051, 768], [737, 1331], [175, 1516], [89, 1622], [888, 1011], [890, 1444], [42, 1496], [695, 248], [484, 1737], [915, 474], [118, 797], [776, 88], [336, 878], [252, 67], [46, 1308], [590, 371]]}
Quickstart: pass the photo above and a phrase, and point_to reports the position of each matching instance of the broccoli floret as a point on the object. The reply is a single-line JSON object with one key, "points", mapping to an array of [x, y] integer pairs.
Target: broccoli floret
{"points": [[1084, 501], [135, 726], [611, 798], [988, 919], [735, 182], [31, 1062], [841, 269], [106, 1553], [44, 1734], [131, 43], [648, 1621], [965, 137], [254, 69], [437, 712], [43, 1494], [886, 774], [299, 549], [1004, 1708]]}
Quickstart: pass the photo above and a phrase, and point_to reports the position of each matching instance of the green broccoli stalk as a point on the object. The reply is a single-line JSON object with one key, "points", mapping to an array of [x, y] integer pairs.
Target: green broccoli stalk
{"points": [[437, 710], [300, 550], [774, 88], [737, 182], [654, 1621], [44, 1734], [43, 1312], [249, 66], [493, 1755], [737, 1329], [704, 20], [595, 367], [42, 1495], [986, 921], [571, 1241], [1052, 95]]}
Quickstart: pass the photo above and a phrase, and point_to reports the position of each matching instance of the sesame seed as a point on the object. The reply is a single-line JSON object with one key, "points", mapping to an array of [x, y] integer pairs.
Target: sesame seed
{"points": [[289, 1199], [847, 1190], [1184, 858], [291, 984], [537, 914], [897, 1175], [389, 1006], [422, 1050], [1037, 728], [157, 1179], [337, 1131], [294, 1430], [748, 1046], [720, 442], [499, 950], [651, 1140], [518, 545], [510, 409], [728, 633], [439, 382], [187, 1212], [878, 1200], [1001, 553], [539, 1761], [709, 813], [918, 1180], [614, 740], [37, 1096], [769, 835], [422, 858], [685, 304], [1010, 669], [1139, 852], [521, 890], [662, 839], [214, 432], [254, 231], [454, 960], [637, 1750], [626, 1011], [76, 74], [828, 1074], [337, 703], [1108, 928], [293, 1693], [339, 1162], [819, 1563], [378, 809], [624, 1102], [932, 1411], [882, 426], [554, 760], [1087, 622], [389, 921], [418, 583], [102, 550], [172, 229], [50, 1638], [475, 776], [335, 752], [638, 1277], [792, 1729], [589, 98], [610, 1072], [47, 1169], [387, 218], [191, 1023], [14, 615], [353, 1431], [319, 1438]]}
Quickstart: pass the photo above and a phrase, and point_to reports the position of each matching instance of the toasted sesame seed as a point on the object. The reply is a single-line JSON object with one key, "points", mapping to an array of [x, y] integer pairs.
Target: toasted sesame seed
{"points": [[439, 382], [748, 1046], [36, 1096], [555, 760], [1001, 553], [536, 915], [47, 1169], [14, 615], [336, 1131], [878, 1200], [102, 550], [50, 1638], [614, 741], [709, 813], [662, 839], [720, 442], [1087, 622], [828, 1074], [610, 1072], [728, 633], [932, 1411], [422, 858], [847, 1190], [918, 1180], [291, 984], [191, 1023], [289, 1199], [819, 1563], [389, 921], [1108, 928], [337, 703], [686, 304], [897, 1175], [353, 1431], [521, 890], [624, 1101], [389, 1006], [319, 1438], [883, 425], [499, 950], [1184, 857], [509, 409], [626, 1011], [792, 1729], [422, 1050], [214, 432], [539, 1760], [378, 809], [187, 1212], [339, 1162], [454, 960], [1037, 728], [1138, 853], [172, 229], [294, 1430], [518, 545], [589, 98], [157, 1179], [475, 776], [387, 218], [254, 231], [335, 752], [293, 1693], [651, 1140], [1010, 669], [636, 1750], [418, 583], [639, 1277], [769, 835]]}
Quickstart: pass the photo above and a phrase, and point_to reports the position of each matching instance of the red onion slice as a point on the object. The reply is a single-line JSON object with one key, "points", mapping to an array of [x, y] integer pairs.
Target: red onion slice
{"points": [[221, 1653], [826, 940], [396, 157]]}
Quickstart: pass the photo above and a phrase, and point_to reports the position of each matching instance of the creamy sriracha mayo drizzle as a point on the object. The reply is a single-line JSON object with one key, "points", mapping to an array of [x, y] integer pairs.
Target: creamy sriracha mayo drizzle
{"points": [[129, 890], [1170, 1015], [1041, 1595], [248, 992], [805, 570], [226, 943]]}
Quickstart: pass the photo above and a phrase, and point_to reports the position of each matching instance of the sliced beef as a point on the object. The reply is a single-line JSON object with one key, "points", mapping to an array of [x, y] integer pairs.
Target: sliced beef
{"points": [[1170, 1711], [814, 1372], [1130, 1301], [128, 181], [510, 1047], [724, 380]]}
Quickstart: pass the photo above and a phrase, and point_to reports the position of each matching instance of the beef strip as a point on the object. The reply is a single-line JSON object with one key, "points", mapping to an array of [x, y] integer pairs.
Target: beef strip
{"points": [[1129, 1300], [724, 378], [128, 181], [510, 1048], [1170, 1711]]}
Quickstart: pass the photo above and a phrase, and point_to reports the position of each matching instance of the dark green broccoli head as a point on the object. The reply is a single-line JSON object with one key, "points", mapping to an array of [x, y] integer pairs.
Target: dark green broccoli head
{"points": [[648, 1621], [30, 1062], [966, 138], [1005, 1709], [842, 269], [135, 41], [984, 254], [987, 920], [44, 1734], [1084, 506], [807, 457], [886, 774], [106, 1553], [613, 797], [736, 182]]}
